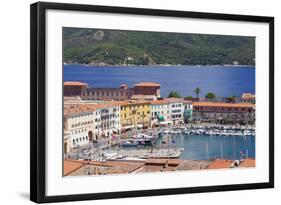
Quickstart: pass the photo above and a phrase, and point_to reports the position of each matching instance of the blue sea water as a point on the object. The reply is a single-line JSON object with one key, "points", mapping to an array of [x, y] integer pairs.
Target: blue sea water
{"points": [[221, 80], [213, 147], [204, 147]]}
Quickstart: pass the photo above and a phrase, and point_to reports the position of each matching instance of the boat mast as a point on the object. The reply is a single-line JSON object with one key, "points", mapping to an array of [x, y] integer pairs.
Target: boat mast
{"points": [[234, 148], [134, 120], [207, 150], [99, 143], [221, 151], [168, 151]]}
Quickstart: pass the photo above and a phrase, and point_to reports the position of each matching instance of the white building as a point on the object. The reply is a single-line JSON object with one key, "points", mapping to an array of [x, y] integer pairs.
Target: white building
{"points": [[85, 123], [106, 120], [176, 109], [78, 124], [160, 112]]}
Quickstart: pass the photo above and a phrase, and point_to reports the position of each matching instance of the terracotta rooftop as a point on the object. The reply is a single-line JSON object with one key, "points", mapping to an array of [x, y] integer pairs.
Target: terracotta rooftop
{"points": [[222, 163], [74, 83], [107, 167], [248, 96], [148, 84], [250, 162], [222, 104], [157, 102], [172, 162], [143, 97], [71, 166], [134, 102], [158, 168], [193, 165], [70, 109], [177, 100]]}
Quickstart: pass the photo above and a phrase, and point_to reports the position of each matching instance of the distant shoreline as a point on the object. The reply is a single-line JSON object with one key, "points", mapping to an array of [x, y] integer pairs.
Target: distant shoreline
{"points": [[158, 65]]}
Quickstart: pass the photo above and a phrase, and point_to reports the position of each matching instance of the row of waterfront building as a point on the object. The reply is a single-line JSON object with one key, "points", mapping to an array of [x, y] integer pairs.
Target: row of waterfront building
{"points": [[98, 113], [85, 121]]}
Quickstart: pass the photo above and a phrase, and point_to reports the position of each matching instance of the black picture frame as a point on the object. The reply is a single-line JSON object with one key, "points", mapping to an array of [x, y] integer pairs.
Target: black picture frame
{"points": [[38, 101]]}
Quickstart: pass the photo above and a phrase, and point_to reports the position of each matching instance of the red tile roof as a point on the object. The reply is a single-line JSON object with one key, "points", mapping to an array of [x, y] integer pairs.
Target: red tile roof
{"points": [[143, 97], [71, 166], [223, 163], [70, 109], [176, 100], [115, 167], [222, 104], [158, 102], [220, 164], [74, 83], [249, 162], [134, 102], [148, 84]]}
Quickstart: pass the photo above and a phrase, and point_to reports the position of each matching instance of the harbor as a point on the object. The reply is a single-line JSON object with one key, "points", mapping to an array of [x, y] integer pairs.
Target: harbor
{"points": [[131, 112], [105, 137], [194, 142], [184, 148]]}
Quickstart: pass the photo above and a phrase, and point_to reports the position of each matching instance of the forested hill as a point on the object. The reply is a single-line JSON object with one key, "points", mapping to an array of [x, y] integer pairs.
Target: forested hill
{"points": [[112, 47]]}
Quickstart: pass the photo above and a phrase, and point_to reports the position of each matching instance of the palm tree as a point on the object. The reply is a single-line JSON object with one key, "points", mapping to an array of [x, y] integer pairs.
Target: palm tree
{"points": [[197, 91]]}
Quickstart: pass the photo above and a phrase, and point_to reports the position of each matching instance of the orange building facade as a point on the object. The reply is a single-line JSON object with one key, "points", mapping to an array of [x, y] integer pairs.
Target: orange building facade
{"points": [[219, 112]]}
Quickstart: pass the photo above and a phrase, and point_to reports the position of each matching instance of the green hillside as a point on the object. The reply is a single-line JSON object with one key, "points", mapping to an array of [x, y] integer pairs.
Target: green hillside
{"points": [[114, 47]]}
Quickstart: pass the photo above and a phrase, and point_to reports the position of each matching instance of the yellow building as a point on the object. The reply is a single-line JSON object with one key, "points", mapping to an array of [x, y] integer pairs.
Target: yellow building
{"points": [[135, 114]]}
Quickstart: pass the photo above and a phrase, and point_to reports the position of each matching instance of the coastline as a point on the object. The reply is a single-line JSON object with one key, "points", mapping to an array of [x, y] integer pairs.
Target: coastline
{"points": [[157, 65]]}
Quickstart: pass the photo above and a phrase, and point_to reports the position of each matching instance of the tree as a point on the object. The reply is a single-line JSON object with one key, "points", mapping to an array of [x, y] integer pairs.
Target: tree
{"points": [[231, 98], [210, 96], [197, 91], [189, 97], [174, 94]]}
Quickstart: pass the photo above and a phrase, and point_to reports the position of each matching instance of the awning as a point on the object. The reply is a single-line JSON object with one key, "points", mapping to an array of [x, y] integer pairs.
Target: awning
{"points": [[115, 130], [128, 127], [161, 118], [166, 122]]}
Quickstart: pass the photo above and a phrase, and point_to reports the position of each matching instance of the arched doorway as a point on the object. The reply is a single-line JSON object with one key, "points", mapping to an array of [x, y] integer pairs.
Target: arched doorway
{"points": [[90, 135], [65, 148]]}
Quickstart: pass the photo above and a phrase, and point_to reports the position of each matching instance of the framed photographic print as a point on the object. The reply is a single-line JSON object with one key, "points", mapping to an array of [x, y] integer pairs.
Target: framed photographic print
{"points": [[129, 102]]}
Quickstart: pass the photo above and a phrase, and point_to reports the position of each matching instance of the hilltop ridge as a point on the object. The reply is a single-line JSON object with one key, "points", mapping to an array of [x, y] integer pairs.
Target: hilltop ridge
{"points": [[113, 47]]}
